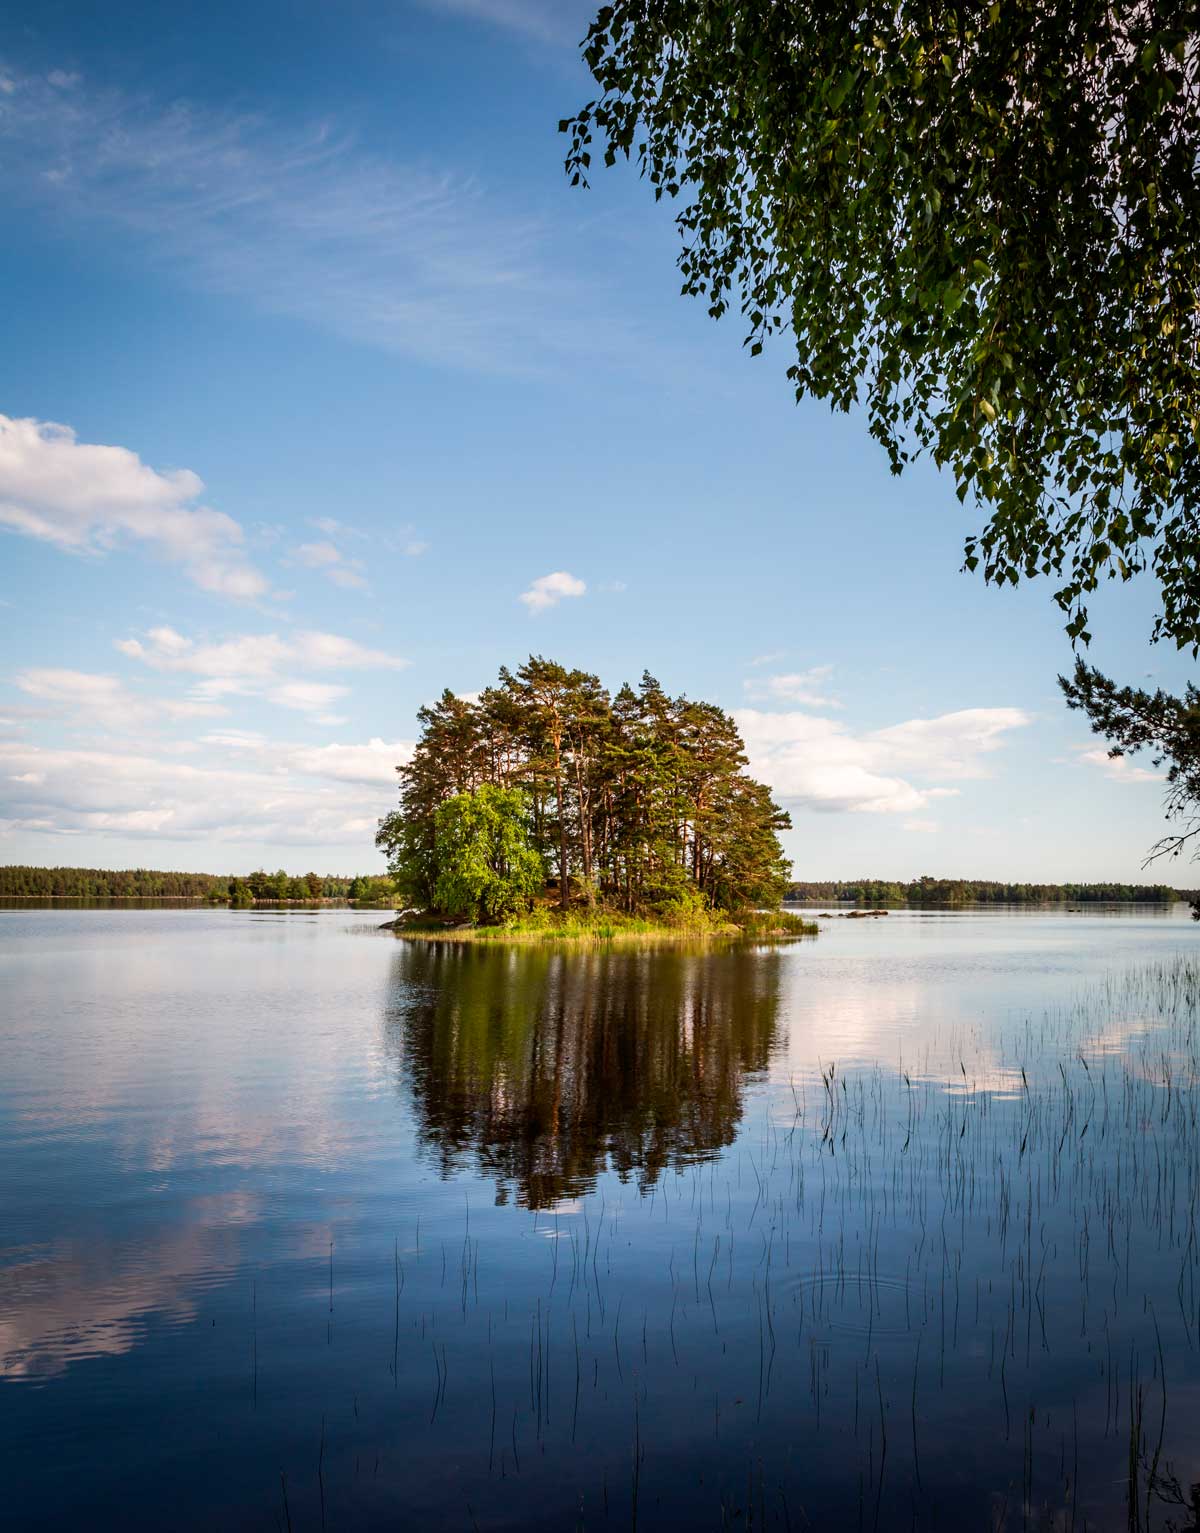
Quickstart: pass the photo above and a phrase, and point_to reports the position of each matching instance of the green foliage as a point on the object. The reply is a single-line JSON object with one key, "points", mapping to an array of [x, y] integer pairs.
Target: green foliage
{"points": [[19, 882], [763, 925], [979, 221], [547, 922], [486, 867], [145, 883], [1167, 727], [407, 841], [637, 801], [372, 891]]}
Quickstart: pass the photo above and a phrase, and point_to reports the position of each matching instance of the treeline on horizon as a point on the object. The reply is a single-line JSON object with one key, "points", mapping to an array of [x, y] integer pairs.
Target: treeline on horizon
{"points": [[980, 891], [20, 882]]}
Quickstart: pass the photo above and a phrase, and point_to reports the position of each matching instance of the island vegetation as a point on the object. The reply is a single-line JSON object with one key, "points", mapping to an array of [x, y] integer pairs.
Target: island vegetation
{"points": [[548, 807], [979, 891]]}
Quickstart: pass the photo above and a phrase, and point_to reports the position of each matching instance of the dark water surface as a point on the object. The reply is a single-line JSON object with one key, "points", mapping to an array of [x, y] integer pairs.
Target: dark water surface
{"points": [[305, 1226]]}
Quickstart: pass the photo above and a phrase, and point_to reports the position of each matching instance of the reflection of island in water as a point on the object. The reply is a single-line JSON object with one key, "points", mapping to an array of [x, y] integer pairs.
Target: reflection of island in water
{"points": [[545, 1066]]}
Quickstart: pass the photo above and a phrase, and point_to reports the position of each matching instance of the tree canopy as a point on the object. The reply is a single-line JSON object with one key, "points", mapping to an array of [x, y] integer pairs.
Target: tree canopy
{"points": [[486, 866], [977, 220], [639, 799], [1166, 727]]}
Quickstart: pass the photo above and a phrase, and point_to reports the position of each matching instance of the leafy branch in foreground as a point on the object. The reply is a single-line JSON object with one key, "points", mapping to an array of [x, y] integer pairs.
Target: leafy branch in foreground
{"points": [[979, 221]]}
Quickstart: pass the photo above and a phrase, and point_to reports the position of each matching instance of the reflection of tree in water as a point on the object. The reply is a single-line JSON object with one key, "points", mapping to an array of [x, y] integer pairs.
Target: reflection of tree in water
{"points": [[546, 1066]]}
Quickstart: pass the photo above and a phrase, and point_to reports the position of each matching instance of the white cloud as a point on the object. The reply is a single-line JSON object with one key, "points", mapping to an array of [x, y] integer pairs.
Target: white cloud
{"points": [[256, 656], [248, 790], [951, 745], [922, 827], [258, 665], [804, 687], [306, 696], [548, 590], [1119, 768], [328, 559], [73, 689], [86, 498], [374, 762], [235, 739], [89, 697], [549, 21], [317, 556], [817, 763]]}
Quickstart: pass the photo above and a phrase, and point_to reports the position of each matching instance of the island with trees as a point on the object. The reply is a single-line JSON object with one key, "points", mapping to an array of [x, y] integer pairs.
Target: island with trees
{"points": [[548, 807]]}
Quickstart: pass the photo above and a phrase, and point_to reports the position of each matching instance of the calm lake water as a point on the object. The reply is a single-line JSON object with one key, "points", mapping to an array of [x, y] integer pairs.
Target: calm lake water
{"points": [[304, 1226]]}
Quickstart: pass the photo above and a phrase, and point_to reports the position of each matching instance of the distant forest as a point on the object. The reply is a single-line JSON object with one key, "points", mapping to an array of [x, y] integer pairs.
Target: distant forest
{"points": [[981, 891], [147, 883]]}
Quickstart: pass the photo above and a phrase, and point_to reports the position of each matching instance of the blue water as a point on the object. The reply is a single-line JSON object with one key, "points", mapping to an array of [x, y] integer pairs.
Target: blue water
{"points": [[304, 1225]]}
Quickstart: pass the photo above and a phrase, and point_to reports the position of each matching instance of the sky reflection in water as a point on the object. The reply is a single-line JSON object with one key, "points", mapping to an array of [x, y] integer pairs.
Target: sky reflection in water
{"points": [[896, 1226]]}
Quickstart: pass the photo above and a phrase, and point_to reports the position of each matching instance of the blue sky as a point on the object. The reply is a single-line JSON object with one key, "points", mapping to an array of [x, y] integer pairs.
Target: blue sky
{"points": [[316, 370]]}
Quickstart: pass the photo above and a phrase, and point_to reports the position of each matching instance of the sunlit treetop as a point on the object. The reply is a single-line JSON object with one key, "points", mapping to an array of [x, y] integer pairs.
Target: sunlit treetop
{"points": [[978, 221]]}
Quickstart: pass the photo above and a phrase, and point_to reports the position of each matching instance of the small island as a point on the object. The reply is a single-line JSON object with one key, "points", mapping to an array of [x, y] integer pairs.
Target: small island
{"points": [[544, 808]]}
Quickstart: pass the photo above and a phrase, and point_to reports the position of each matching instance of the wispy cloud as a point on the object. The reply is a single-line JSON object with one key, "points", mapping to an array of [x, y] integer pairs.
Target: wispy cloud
{"points": [[256, 655], [261, 665], [808, 688], [548, 590], [331, 563], [87, 697], [1119, 768], [86, 498], [549, 21], [303, 222]]}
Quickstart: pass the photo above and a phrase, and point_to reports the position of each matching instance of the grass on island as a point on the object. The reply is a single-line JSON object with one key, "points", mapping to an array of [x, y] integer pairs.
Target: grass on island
{"points": [[546, 922]]}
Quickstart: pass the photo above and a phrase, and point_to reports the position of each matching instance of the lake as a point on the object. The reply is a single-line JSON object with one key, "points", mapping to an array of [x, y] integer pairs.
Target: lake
{"points": [[306, 1226]]}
